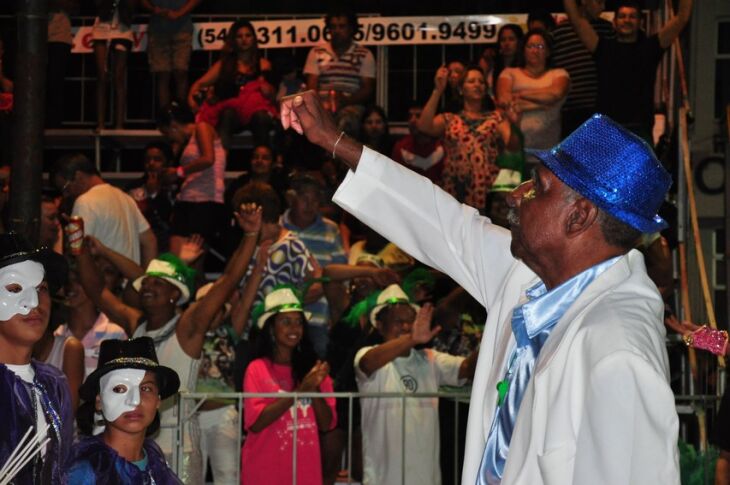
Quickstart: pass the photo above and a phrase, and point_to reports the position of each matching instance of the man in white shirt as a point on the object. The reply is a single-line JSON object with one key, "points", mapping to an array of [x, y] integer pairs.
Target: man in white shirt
{"points": [[399, 365], [109, 214]]}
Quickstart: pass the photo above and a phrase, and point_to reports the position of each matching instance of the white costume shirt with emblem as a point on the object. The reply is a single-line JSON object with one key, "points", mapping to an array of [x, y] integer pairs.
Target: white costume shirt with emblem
{"points": [[422, 371]]}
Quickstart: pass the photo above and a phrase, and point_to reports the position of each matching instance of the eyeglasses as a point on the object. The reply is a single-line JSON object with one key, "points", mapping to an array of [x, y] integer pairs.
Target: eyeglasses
{"points": [[65, 186], [539, 47]]}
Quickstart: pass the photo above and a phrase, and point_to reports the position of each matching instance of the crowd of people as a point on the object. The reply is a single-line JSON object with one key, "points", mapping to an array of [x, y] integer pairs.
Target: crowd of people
{"points": [[102, 328]]}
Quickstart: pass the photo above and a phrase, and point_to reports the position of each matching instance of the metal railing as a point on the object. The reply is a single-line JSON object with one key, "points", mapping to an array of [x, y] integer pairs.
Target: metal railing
{"points": [[189, 405], [187, 410]]}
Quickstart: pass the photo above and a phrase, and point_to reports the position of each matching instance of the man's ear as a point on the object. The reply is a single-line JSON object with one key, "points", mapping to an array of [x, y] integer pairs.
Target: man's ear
{"points": [[177, 294], [97, 404], [290, 197], [582, 215]]}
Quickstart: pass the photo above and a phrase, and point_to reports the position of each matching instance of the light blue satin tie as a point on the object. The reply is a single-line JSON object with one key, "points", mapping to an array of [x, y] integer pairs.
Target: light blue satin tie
{"points": [[532, 323]]}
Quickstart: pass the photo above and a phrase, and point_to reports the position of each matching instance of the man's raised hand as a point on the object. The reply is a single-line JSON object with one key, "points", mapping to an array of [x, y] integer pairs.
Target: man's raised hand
{"points": [[421, 331], [304, 113]]}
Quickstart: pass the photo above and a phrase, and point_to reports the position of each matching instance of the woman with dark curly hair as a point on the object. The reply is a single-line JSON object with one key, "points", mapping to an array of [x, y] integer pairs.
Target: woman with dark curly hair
{"points": [[238, 95], [473, 138]]}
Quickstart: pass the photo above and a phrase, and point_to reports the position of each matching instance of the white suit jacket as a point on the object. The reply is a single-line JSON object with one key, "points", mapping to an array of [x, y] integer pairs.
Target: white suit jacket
{"points": [[598, 408]]}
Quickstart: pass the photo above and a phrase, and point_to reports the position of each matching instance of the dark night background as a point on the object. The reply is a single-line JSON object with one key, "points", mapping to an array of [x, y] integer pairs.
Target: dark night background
{"points": [[384, 7]]}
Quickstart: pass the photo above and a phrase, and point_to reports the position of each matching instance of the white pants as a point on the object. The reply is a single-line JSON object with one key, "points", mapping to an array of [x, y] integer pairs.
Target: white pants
{"points": [[219, 442]]}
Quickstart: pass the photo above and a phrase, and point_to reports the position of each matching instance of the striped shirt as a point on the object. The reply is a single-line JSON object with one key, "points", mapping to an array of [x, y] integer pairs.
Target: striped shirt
{"points": [[570, 54], [343, 74]]}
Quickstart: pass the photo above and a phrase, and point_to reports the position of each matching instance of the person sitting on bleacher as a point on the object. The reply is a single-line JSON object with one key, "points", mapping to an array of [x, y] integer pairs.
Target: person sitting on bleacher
{"points": [[240, 96], [154, 193], [342, 71]]}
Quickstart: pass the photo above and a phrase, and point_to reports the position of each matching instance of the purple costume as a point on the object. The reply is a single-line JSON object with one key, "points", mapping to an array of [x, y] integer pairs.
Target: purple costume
{"points": [[18, 414], [94, 462]]}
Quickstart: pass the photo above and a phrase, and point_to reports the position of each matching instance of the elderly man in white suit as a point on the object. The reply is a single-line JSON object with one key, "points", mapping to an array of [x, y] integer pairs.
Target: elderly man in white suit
{"points": [[571, 386]]}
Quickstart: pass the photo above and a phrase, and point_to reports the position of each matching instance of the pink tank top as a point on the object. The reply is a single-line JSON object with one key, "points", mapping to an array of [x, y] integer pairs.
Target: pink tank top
{"points": [[206, 185]]}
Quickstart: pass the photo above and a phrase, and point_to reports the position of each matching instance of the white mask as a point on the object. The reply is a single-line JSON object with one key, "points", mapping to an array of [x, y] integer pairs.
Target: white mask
{"points": [[27, 275], [125, 398]]}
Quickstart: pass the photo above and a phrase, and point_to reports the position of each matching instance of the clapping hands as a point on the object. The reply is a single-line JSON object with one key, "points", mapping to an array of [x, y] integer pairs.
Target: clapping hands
{"points": [[314, 377]]}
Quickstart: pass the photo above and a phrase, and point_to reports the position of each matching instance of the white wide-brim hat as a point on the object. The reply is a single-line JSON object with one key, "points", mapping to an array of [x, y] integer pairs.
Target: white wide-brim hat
{"points": [[171, 271], [281, 300], [392, 295]]}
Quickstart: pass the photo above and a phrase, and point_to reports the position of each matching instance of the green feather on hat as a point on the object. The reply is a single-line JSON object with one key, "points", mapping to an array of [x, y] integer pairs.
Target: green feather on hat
{"points": [[363, 307], [419, 276]]}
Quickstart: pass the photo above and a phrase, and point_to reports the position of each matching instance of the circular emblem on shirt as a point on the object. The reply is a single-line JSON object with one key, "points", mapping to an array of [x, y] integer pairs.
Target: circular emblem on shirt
{"points": [[278, 257], [409, 383]]}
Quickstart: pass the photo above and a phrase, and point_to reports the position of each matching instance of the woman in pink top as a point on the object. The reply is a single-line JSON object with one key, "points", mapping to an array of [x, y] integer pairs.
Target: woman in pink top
{"points": [[199, 207], [286, 362]]}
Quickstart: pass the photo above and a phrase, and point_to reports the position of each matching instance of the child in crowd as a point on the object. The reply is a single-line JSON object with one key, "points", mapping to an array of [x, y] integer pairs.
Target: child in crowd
{"points": [[126, 391], [286, 363], [399, 365]]}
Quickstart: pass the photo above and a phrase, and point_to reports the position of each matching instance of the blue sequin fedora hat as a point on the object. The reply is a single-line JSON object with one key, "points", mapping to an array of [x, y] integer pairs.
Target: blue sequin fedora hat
{"points": [[614, 169]]}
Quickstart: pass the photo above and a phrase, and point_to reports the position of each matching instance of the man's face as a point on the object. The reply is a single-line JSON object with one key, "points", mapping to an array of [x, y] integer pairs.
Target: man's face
{"points": [[155, 292], [536, 217], [49, 223], [340, 30], [396, 321], [261, 161], [627, 22], [305, 206], [154, 160], [70, 188], [594, 8], [414, 114]]}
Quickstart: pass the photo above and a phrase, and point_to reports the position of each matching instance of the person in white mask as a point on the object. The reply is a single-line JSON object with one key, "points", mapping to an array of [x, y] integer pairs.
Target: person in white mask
{"points": [[121, 402], [33, 395]]}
